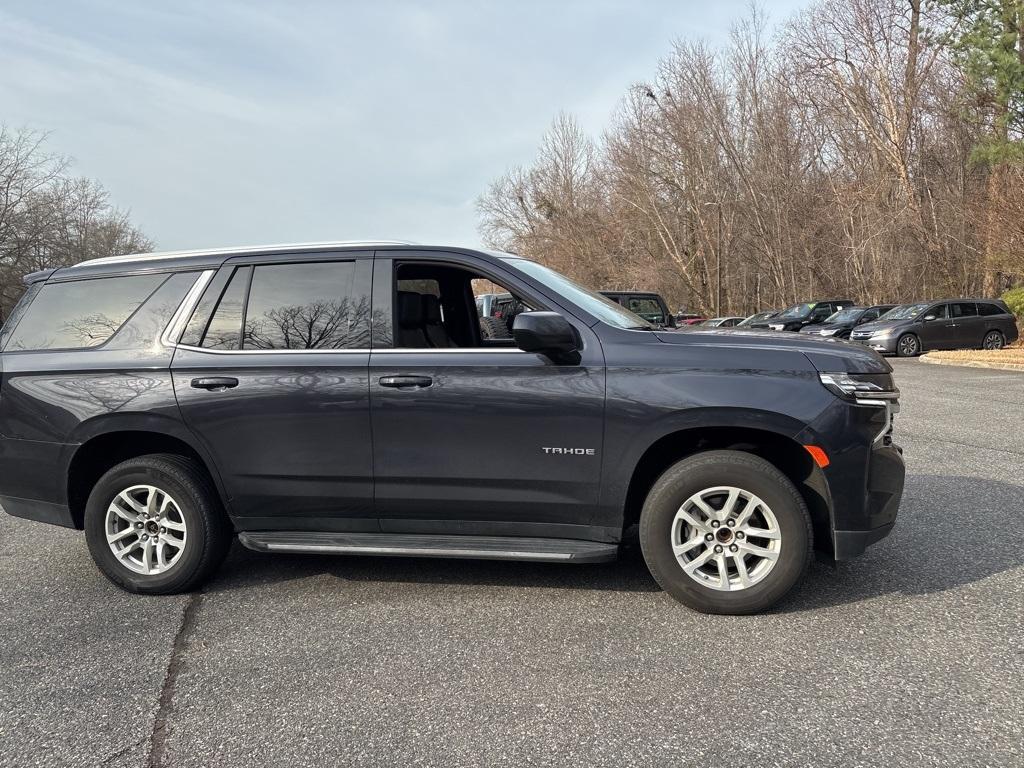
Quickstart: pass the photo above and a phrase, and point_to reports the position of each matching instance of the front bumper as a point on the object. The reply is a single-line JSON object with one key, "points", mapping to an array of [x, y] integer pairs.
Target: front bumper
{"points": [[864, 477], [885, 344]]}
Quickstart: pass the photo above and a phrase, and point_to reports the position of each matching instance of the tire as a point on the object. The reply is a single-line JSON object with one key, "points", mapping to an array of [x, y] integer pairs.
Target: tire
{"points": [[994, 340], [661, 527], [908, 345], [493, 328], [193, 516]]}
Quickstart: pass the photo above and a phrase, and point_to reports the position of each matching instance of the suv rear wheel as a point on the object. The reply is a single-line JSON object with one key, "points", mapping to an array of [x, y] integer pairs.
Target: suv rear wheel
{"points": [[155, 525], [725, 532]]}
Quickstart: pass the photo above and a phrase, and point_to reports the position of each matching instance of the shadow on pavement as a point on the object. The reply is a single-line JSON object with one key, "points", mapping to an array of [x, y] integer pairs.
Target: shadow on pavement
{"points": [[952, 531]]}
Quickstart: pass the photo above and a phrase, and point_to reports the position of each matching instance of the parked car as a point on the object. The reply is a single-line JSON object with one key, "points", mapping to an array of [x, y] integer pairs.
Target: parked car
{"points": [[689, 319], [797, 316], [758, 318], [342, 399], [842, 323], [911, 329], [721, 322], [650, 306]]}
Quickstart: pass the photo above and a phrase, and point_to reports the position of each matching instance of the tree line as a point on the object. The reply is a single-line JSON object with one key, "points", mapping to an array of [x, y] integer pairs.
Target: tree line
{"points": [[868, 149], [49, 217]]}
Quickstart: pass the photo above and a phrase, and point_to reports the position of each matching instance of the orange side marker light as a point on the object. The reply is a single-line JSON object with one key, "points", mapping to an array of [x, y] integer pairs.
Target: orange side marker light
{"points": [[819, 456]]}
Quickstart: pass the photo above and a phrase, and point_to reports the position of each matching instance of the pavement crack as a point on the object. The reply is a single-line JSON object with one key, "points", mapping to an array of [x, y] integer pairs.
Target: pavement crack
{"points": [[165, 703]]}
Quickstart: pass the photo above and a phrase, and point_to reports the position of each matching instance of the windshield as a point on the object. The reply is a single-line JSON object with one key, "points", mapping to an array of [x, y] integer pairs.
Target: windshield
{"points": [[601, 307], [846, 315], [797, 310], [905, 312], [758, 318]]}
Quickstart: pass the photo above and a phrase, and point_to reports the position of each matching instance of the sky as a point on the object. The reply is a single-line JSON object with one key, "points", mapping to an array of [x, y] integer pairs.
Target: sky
{"points": [[233, 122]]}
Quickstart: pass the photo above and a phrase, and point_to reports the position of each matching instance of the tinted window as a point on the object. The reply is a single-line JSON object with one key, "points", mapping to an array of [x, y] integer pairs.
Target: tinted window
{"points": [[225, 328], [964, 309], [939, 312], [81, 314], [16, 313], [304, 306], [986, 309], [143, 329]]}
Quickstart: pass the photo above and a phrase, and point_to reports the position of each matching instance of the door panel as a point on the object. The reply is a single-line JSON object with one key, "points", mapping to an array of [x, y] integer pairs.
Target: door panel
{"points": [[471, 445], [968, 328], [291, 440], [937, 333], [489, 440]]}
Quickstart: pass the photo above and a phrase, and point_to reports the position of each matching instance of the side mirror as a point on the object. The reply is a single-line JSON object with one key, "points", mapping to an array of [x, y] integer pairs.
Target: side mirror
{"points": [[548, 334], [929, 318]]}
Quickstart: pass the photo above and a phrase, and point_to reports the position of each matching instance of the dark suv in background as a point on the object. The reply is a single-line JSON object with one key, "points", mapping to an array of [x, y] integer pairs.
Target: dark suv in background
{"points": [[912, 329], [841, 324], [650, 306], [342, 398], [797, 316]]}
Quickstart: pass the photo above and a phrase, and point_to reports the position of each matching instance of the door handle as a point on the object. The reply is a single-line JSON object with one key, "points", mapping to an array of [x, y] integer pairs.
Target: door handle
{"points": [[405, 382], [215, 383]]}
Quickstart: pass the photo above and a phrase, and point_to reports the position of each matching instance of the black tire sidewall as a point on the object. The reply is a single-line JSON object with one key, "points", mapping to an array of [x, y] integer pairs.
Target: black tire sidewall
{"points": [[189, 500], [740, 470]]}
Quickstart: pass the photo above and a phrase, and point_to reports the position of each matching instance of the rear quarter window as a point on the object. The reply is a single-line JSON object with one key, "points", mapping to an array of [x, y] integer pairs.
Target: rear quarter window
{"points": [[80, 314], [988, 310]]}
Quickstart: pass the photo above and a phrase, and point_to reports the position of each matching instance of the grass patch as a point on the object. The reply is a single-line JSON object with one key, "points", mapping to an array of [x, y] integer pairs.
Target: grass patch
{"points": [[1011, 355]]}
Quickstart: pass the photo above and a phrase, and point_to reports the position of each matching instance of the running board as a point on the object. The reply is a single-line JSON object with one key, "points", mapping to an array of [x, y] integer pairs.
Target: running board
{"points": [[418, 545]]}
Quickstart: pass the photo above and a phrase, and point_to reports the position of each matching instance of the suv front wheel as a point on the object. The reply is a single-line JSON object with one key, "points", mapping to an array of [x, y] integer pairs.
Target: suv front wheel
{"points": [[154, 525], [725, 532]]}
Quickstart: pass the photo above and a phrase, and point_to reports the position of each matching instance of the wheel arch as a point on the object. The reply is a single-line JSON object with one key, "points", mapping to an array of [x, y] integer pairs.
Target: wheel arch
{"points": [[777, 447], [103, 443]]}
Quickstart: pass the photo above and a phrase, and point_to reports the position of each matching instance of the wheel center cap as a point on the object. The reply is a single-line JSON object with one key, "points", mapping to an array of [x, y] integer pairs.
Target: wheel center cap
{"points": [[724, 535], [152, 527]]}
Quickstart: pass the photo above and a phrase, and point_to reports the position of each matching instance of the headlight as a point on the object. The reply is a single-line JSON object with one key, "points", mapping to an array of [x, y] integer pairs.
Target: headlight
{"points": [[882, 333], [863, 388], [830, 332]]}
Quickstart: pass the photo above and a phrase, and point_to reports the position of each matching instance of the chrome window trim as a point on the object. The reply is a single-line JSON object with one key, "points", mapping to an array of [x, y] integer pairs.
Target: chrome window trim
{"points": [[352, 350], [176, 326]]}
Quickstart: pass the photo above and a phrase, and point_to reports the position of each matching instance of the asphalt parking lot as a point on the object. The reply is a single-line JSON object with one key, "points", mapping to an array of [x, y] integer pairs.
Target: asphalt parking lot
{"points": [[911, 655]]}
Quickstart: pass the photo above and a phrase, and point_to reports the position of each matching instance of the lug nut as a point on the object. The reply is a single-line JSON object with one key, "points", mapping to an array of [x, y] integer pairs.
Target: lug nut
{"points": [[163, 530], [731, 523], [718, 548], [715, 523], [739, 534], [709, 537], [138, 525], [144, 537], [733, 548]]}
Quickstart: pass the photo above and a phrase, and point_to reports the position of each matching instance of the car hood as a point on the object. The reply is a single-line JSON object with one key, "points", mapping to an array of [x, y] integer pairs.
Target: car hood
{"points": [[824, 327], [826, 354], [881, 325]]}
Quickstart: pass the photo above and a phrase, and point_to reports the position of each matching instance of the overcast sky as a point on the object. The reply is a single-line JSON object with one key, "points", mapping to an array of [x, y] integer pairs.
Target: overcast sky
{"points": [[228, 123]]}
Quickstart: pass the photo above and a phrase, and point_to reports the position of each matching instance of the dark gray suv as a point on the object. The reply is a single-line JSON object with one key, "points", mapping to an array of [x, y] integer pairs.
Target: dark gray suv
{"points": [[911, 329], [342, 398]]}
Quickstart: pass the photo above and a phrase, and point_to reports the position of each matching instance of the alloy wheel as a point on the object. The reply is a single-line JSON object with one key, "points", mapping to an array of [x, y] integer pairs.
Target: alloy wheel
{"points": [[908, 346], [726, 538], [145, 529], [994, 340]]}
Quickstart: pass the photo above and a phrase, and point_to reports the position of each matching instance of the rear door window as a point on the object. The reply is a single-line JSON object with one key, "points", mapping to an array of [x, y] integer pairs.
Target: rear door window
{"points": [[964, 309], [82, 313], [304, 306], [988, 310]]}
